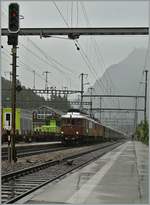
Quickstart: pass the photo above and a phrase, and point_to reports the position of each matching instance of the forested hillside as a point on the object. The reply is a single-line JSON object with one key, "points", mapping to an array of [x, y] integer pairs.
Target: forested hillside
{"points": [[27, 99]]}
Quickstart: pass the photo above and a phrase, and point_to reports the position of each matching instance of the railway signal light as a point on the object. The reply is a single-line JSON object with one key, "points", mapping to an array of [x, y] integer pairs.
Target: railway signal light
{"points": [[13, 21]]}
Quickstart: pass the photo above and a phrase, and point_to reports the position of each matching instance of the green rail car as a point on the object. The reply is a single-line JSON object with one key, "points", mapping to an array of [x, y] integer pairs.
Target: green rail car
{"points": [[52, 128], [23, 124], [23, 120]]}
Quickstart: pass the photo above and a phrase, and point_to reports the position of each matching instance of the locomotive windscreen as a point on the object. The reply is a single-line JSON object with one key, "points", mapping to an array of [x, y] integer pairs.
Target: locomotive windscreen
{"points": [[71, 121]]}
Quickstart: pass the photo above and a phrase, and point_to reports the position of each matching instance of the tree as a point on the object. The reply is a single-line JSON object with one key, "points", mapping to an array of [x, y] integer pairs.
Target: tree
{"points": [[27, 99], [143, 132]]}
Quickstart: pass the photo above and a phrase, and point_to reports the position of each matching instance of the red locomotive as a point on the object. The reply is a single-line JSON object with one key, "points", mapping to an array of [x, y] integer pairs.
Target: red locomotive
{"points": [[77, 128]]}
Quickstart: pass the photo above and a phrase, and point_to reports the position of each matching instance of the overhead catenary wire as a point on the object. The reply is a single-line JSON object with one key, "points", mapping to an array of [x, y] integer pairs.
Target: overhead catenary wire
{"points": [[28, 67], [32, 53], [49, 57], [108, 74], [54, 63], [43, 60], [47, 61], [147, 55], [99, 54], [88, 23], [60, 13], [62, 16], [95, 42], [71, 16], [77, 13], [83, 54], [89, 64], [93, 68], [96, 46]]}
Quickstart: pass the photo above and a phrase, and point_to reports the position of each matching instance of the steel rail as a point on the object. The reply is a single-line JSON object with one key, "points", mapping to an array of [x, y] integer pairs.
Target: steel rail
{"points": [[43, 165], [35, 152], [104, 150]]}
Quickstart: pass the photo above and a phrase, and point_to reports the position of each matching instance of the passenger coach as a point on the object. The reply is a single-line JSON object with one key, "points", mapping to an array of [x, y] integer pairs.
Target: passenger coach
{"points": [[23, 123]]}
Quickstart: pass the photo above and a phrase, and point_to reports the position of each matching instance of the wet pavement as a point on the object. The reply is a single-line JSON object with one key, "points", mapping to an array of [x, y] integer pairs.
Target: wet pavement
{"points": [[120, 176]]}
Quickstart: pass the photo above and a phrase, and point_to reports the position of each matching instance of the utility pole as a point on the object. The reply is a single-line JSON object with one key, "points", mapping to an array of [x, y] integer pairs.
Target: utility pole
{"points": [[82, 89], [65, 88], [46, 79], [13, 131], [13, 28], [91, 91], [33, 79], [100, 108], [146, 73], [136, 115]]}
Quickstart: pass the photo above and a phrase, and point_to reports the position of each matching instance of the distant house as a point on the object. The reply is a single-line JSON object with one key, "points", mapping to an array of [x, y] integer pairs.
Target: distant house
{"points": [[41, 114]]}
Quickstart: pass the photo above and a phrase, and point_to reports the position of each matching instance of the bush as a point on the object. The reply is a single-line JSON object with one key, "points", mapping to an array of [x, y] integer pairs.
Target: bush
{"points": [[143, 132]]}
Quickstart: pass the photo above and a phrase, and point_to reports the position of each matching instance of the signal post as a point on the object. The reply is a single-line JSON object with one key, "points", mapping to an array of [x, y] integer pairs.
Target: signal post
{"points": [[13, 28]]}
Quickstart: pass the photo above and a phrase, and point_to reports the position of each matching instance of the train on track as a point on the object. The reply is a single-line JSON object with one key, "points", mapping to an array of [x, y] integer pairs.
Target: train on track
{"points": [[52, 127], [25, 129], [77, 128], [23, 123], [47, 132], [74, 127]]}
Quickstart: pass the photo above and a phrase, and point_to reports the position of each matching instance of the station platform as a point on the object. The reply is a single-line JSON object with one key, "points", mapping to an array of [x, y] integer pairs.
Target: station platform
{"points": [[118, 177]]}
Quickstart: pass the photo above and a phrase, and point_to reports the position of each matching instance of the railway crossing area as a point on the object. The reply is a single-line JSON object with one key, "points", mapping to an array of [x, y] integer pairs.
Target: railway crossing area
{"points": [[120, 176]]}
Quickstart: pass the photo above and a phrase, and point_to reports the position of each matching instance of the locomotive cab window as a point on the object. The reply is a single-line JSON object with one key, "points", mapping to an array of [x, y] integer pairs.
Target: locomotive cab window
{"points": [[76, 122], [71, 121], [65, 121]]}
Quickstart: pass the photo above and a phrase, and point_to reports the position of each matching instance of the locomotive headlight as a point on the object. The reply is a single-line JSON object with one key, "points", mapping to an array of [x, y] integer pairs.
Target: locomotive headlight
{"points": [[62, 132], [77, 132]]}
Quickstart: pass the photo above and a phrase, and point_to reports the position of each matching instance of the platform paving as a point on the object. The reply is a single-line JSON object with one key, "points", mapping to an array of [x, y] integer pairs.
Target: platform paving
{"points": [[119, 177]]}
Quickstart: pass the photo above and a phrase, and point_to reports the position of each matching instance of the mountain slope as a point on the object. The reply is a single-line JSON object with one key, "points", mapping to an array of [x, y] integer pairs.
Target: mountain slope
{"points": [[123, 78], [125, 75]]}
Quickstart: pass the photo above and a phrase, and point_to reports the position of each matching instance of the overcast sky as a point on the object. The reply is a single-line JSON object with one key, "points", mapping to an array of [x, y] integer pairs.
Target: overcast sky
{"points": [[100, 52]]}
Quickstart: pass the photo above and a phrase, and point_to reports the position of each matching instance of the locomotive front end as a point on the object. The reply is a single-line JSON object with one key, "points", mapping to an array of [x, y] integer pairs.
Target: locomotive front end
{"points": [[71, 128]]}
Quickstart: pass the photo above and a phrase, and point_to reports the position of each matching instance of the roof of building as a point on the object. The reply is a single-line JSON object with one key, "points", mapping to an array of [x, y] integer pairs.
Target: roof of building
{"points": [[59, 112]]}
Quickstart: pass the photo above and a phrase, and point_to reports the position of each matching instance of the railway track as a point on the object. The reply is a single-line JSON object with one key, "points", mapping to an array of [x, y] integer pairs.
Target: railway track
{"points": [[33, 150], [19, 184]]}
